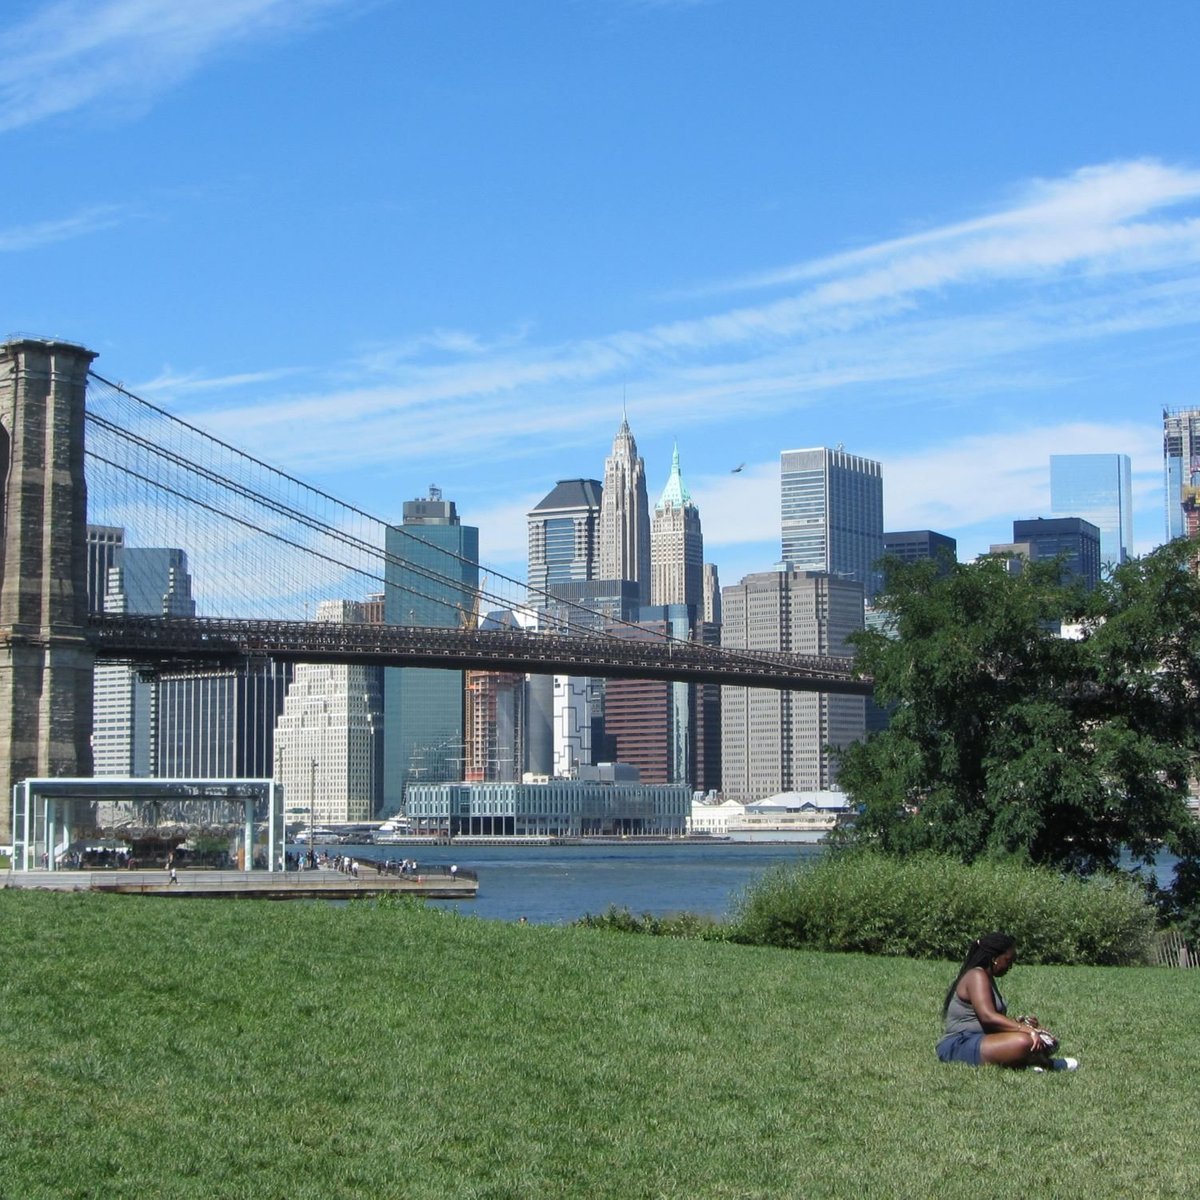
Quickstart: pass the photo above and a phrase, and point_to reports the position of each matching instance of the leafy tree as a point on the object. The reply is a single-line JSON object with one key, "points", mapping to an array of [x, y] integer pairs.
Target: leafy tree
{"points": [[1008, 739]]}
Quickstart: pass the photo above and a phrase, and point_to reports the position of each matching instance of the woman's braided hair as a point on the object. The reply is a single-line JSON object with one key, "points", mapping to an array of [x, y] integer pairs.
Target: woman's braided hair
{"points": [[983, 952]]}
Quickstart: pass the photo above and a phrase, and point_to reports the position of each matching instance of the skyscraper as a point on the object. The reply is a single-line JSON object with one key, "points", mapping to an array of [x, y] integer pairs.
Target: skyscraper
{"points": [[1181, 468], [832, 514], [776, 741], [152, 582], [1073, 539], [913, 545], [325, 737], [431, 577], [676, 545], [1097, 488], [564, 536], [665, 729], [625, 515], [220, 724]]}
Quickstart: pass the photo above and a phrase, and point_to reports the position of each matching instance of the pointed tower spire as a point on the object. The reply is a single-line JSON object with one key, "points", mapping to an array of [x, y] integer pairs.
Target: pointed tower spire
{"points": [[675, 493], [676, 544]]}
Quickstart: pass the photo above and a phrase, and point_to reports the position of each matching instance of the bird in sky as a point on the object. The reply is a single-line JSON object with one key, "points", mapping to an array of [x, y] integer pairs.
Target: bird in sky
{"points": [[736, 470]]}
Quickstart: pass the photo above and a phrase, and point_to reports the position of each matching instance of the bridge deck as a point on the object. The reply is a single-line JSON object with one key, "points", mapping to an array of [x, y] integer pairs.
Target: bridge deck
{"points": [[264, 885]]}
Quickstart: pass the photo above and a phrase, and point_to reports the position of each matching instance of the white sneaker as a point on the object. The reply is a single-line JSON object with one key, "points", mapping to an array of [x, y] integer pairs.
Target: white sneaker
{"points": [[1064, 1064]]}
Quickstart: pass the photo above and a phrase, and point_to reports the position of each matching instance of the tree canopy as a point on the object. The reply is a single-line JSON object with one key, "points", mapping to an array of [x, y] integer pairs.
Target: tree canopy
{"points": [[1006, 738]]}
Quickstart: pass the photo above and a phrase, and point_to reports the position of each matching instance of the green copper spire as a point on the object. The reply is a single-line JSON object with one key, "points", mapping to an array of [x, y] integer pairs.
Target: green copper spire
{"points": [[675, 493]]}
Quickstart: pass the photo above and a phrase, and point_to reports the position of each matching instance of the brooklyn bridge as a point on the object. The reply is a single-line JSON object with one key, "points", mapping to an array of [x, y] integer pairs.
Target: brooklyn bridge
{"points": [[267, 550]]}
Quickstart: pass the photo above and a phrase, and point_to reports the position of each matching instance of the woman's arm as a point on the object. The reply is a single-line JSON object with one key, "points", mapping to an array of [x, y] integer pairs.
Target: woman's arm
{"points": [[978, 986]]}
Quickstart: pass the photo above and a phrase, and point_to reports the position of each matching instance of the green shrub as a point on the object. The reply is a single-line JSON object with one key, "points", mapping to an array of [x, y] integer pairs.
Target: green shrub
{"points": [[679, 925], [930, 906]]}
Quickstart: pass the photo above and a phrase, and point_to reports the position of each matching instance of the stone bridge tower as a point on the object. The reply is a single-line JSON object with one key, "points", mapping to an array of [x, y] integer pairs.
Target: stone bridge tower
{"points": [[45, 662]]}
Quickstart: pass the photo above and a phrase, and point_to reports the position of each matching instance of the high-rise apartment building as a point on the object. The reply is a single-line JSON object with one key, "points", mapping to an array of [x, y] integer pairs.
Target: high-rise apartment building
{"points": [[1097, 488], [325, 739], [1181, 469], [625, 515], [832, 514], [496, 703], [676, 545], [777, 741], [151, 582], [564, 536], [431, 577]]}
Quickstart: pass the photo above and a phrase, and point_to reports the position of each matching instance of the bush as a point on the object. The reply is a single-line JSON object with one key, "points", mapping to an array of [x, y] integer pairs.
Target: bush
{"points": [[680, 925], [931, 906]]}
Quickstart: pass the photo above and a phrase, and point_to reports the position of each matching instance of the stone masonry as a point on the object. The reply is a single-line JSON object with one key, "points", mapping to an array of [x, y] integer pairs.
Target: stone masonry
{"points": [[45, 661]]}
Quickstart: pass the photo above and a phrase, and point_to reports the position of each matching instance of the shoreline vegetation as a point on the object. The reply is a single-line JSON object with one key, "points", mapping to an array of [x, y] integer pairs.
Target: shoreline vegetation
{"points": [[238, 1049]]}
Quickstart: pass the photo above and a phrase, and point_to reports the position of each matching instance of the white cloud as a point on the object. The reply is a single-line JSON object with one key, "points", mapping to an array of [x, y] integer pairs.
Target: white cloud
{"points": [[44, 233], [1094, 255], [76, 53]]}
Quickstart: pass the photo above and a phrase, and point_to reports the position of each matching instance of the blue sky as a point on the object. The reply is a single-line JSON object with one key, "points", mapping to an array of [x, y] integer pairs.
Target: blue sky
{"points": [[389, 243]]}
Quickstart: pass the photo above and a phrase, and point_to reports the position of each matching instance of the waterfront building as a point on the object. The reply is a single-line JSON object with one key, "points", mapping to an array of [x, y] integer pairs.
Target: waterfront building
{"points": [[1181, 470], [1097, 488], [325, 740], [220, 724], [713, 817], [811, 813], [676, 545], [151, 581], [914, 545], [604, 801], [778, 741], [624, 528], [1077, 541], [832, 514], [431, 578], [564, 536]]}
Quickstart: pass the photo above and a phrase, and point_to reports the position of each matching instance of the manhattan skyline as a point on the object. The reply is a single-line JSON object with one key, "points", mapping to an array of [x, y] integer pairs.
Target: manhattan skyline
{"points": [[385, 244]]}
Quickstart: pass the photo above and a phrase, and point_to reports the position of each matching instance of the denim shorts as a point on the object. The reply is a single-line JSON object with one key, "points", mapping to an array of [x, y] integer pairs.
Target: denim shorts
{"points": [[961, 1047]]}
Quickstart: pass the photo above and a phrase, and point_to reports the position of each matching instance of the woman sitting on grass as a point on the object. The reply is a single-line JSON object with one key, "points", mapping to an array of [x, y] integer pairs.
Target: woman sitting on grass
{"points": [[977, 1031]]}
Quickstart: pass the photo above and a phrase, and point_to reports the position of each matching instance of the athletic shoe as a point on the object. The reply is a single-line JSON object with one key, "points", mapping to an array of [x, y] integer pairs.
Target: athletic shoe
{"points": [[1064, 1064]]}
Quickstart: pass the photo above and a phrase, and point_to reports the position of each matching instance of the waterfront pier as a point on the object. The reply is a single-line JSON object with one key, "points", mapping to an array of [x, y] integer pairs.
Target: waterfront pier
{"points": [[320, 884]]}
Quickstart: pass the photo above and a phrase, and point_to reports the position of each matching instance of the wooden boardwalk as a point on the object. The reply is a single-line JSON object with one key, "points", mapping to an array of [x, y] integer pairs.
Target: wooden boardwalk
{"points": [[320, 884]]}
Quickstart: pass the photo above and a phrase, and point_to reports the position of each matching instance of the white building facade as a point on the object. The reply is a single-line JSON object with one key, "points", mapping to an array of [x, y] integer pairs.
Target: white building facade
{"points": [[325, 741]]}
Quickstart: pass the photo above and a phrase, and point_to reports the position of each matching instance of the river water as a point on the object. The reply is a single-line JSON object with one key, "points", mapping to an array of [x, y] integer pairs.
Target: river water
{"points": [[557, 884]]}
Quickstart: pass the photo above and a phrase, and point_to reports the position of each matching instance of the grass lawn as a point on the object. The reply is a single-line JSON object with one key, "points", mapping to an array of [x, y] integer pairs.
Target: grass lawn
{"points": [[245, 1049]]}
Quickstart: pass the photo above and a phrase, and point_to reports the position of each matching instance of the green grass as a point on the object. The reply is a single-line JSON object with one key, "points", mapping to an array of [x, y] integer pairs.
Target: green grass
{"points": [[243, 1049]]}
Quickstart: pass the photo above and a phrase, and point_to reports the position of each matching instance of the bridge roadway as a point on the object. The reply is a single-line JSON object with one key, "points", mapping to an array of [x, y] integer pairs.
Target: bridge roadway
{"points": [[182, 643]]}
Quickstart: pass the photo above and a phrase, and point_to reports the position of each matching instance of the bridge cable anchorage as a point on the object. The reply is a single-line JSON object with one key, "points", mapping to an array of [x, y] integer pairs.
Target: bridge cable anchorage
{"points": [[347, 540]]}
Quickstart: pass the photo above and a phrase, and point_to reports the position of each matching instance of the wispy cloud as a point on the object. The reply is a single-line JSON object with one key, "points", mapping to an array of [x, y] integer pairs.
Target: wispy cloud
{"points": [[1034, 297], [74, 54], [44, 233]]}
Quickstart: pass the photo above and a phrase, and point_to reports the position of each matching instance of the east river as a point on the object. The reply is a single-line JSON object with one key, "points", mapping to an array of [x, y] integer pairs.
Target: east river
{"points": [[556, 884]]}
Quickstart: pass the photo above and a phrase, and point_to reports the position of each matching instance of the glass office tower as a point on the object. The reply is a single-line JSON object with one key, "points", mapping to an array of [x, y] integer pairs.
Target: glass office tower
{"points": [[832, 514], [431, 577], [1096, 488]]}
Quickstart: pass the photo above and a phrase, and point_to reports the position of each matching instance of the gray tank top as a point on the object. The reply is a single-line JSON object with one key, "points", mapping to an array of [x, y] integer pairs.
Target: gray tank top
{"points": [[960, 1015]]}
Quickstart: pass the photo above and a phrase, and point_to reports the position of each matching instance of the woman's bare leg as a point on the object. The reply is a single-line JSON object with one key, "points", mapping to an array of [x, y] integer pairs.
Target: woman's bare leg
{"points": [[1009, 1050]]}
